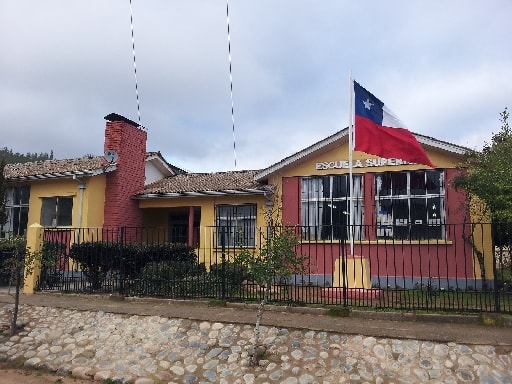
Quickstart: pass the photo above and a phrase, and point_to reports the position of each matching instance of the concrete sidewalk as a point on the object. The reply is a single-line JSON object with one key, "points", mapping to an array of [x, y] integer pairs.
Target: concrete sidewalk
{"points": [[436, 328]]}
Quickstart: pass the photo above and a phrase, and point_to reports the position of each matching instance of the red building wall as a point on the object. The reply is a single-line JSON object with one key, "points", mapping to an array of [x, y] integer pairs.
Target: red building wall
{"points": [[129, 141], [450, 260]]}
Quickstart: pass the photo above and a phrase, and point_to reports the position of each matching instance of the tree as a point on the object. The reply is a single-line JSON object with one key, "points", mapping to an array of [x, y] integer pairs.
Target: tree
{"points": [[12, 253], [277, 258], [487, 178], [3, 210], [16, 157]]}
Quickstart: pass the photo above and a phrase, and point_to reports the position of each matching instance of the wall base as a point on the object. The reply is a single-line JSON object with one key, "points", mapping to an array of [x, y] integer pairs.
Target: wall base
{"points": [[352, 293]]}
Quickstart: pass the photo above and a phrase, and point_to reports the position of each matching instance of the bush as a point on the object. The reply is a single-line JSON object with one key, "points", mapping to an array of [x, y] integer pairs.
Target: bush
{"points": [[97, 259], [230, 272], [51, 254], [170, 278], [11, 249], [135, 257]]}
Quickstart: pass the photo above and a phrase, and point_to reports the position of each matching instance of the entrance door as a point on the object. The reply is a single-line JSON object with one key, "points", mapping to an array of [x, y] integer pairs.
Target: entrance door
{"points": [[184, 225]]}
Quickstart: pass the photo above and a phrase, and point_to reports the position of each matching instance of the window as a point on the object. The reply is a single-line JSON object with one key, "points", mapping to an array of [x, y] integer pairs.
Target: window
{"points": [[325, 207], [236, 225], [56, 211], [410, 205], [16, 204]]}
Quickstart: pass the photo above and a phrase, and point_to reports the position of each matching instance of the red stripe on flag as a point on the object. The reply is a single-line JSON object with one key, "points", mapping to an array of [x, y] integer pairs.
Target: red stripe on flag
{"points": [[388, 142]]}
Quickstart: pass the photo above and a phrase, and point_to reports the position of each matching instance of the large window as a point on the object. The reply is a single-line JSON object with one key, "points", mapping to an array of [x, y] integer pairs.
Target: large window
{"points": [[410, 205], [16, 204], [325, 207], [56, 211], [236, 225]]}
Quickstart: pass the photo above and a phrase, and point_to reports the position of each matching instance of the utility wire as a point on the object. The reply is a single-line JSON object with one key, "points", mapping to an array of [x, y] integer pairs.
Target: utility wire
{"points": [[135, 66], [231, 83]]}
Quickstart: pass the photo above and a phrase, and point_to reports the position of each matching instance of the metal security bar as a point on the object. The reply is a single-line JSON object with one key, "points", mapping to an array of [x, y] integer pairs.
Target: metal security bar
{"points": [[468, 269]]}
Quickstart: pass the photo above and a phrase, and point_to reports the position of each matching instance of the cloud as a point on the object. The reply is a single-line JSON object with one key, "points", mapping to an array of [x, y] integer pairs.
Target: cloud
{"points": [[443, 67]]}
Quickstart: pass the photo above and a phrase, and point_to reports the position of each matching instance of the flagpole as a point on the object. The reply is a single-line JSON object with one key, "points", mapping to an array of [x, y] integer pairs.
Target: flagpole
{"points": [[350, 155]]}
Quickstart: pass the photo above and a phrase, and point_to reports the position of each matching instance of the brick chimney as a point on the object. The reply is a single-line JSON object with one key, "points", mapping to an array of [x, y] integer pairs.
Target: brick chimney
{"points": [[128, 140]]}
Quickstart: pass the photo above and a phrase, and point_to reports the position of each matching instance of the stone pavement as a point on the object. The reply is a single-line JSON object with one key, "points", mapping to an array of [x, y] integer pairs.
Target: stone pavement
{"points": [[168, 341]]}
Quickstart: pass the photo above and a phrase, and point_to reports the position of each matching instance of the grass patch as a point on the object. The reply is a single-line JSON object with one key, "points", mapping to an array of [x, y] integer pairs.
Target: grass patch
{"points": [[491, 319], [217, 303], [338, 311]]}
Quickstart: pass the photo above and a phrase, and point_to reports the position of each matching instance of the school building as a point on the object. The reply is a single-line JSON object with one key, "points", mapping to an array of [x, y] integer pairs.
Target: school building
{"points": [[409, 223]]}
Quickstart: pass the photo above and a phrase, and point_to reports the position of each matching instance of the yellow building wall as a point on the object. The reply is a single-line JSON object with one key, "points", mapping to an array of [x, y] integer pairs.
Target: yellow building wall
{"points": [[50, 188], [93, 202], [308, 166], [482, 237], [91, 205], [158, 209], [156, 214]]}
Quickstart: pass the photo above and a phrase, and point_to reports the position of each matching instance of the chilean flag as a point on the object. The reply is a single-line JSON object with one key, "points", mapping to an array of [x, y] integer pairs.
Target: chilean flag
{"points": [[379, 132]]}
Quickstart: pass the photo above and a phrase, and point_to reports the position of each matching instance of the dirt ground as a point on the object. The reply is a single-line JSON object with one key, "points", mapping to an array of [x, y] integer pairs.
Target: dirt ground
{"points": [[10, 374]]}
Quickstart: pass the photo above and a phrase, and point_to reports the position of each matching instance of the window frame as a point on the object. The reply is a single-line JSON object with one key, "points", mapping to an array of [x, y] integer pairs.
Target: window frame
{"points": [[17, 200], [395, 216], [325, 207], [57, 211], [240, 226]]}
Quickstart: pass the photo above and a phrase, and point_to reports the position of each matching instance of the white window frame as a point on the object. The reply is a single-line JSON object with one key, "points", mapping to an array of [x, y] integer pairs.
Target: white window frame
{"points": [[396, 217], [325, 212]]}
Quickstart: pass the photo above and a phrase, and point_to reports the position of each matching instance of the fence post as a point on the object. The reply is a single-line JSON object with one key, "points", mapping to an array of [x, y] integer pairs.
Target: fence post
{"points": [[121, 263], [223, 264], [344, 269], [497, 306], [34, 244]]}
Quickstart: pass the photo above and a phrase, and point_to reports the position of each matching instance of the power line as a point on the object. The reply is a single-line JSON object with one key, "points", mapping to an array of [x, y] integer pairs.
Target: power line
{"points": [[231, 83], [135, 66]]}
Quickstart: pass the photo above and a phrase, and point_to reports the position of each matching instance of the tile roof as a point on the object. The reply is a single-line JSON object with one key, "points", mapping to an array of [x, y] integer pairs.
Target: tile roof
{"points": [[53, 168], [196, 184]]}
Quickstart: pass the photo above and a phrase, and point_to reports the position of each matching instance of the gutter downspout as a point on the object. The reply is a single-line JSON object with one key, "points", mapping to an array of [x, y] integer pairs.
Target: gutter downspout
{"points": [[81, 186]]}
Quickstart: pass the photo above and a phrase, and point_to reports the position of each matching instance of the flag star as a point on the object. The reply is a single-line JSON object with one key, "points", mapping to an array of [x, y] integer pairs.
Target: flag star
{"points": [[367, 104]]}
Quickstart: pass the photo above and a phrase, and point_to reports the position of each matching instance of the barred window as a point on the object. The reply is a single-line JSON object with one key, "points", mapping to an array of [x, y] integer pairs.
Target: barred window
{"points": [[410, 205], [236, 225], [325, 207]]}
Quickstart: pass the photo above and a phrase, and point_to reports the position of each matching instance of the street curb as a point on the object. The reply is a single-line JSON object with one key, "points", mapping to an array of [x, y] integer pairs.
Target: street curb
{"points": [[483, 319], [389, 316]]}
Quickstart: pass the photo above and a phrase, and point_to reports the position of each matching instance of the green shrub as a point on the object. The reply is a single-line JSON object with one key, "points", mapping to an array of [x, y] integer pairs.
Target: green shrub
{"points": [[231, 272], [96, 259], [338, 311], [171, 278], [10, 249]]}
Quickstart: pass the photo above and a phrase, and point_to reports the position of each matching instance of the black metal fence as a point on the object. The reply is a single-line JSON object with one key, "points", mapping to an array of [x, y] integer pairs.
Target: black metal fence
{"points": [[467, 268]]}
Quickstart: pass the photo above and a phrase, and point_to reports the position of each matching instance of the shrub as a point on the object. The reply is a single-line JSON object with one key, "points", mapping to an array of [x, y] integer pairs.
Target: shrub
{"points": [[231, 272], [170, 278], [50, 256], [96, 259], [134, 257], [9, 248]]}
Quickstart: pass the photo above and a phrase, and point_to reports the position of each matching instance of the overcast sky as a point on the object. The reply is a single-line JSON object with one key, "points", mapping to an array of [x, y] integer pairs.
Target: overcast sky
{"points": [[444, 67]]}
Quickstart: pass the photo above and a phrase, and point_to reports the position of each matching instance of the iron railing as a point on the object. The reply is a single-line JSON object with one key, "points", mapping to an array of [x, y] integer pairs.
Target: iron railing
{"points": [[467, 268]]}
